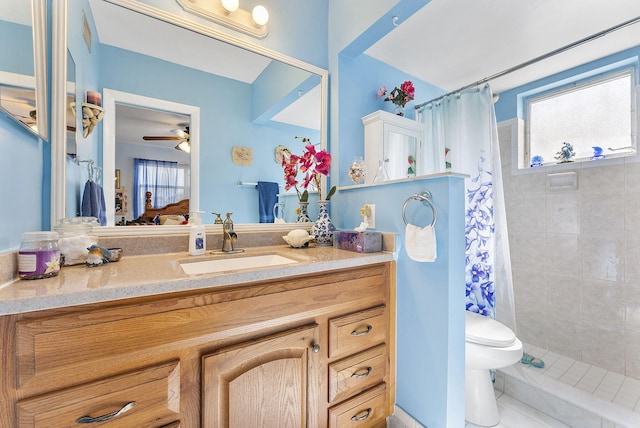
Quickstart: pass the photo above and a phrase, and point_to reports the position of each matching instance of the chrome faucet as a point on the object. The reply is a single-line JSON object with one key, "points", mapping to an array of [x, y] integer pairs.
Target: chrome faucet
{"points": [[228, 235]]}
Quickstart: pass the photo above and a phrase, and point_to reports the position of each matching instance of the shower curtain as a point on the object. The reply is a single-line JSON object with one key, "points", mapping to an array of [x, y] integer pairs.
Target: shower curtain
{"points": [[462, 136]]}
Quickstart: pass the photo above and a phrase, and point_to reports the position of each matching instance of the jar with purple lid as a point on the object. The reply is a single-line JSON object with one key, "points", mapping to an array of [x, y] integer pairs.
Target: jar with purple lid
{"points": [[39, 255]]}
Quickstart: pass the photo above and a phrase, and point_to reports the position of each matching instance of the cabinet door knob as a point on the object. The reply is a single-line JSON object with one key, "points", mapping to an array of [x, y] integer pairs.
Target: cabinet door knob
{"points": [[362, 415], [109, 416], [315, 348], [362, 332]]}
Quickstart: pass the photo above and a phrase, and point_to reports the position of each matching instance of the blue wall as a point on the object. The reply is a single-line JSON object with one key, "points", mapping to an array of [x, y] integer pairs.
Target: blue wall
{"points": [[21, 166], [430, 296]]}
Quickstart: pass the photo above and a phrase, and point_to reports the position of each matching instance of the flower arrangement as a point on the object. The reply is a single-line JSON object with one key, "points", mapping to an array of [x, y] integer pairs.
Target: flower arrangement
{"points": [[312, 164], [399, 96]]}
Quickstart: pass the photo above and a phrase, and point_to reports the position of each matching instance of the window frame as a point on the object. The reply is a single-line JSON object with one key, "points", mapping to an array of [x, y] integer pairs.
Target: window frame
{"points": [[574, 84]]}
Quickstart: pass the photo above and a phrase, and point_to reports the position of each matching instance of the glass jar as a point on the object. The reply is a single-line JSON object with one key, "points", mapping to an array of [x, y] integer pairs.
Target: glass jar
{"points": [[39, 255], [75, 239], [358, 170]]}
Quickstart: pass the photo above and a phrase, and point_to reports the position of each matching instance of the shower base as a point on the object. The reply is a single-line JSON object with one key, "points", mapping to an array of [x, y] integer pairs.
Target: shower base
{"points": [[576, 393]]}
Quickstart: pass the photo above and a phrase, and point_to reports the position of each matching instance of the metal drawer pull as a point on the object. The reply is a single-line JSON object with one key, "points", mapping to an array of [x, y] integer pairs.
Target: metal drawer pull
{"points": [[91, 420], [366, 414], [363, 373], [362, 332]]}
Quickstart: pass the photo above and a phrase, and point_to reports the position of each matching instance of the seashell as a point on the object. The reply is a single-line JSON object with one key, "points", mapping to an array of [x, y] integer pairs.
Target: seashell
{"points": [[87, 112], [298, 238], [94, 121], [85, 122]]}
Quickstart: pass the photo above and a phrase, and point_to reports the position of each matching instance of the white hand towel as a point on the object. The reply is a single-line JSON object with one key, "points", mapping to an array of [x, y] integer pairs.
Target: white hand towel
{"points": [[420, 243]]}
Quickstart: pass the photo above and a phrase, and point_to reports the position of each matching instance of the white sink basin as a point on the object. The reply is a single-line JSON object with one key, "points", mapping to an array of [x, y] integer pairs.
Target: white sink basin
{"points": [[234, 263]]}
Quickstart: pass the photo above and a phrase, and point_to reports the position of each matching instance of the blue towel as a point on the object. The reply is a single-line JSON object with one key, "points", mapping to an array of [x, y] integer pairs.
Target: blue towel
{"points": [[93, 204], [267, 198]]}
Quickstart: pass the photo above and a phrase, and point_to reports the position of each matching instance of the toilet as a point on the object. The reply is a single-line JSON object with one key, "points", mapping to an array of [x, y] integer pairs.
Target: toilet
{"points": [[488, 345]]}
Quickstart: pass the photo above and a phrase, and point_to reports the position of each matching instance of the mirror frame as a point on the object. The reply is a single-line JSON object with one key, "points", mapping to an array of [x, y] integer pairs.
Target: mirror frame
{"points": [[58, 108], [40, 78]]}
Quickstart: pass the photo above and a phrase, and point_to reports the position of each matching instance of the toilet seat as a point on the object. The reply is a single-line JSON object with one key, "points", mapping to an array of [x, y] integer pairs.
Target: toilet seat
{"points": [[487, 331]]}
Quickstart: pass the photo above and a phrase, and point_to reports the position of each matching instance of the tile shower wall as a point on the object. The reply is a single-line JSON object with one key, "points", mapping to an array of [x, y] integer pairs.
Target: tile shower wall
{"points": [[576, 259]]}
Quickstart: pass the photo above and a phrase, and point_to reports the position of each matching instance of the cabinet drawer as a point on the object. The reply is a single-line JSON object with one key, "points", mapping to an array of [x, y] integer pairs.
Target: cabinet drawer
{"points": [[351, 375], [155, 392], [364, 410], [357, 331]]}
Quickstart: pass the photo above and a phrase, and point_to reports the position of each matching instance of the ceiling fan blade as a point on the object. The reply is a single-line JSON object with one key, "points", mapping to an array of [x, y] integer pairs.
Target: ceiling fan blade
{"points": [[152, 138]]}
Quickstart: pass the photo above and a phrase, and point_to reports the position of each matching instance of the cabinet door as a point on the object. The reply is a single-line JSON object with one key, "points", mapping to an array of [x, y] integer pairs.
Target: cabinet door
{"points": [[267, 382]]}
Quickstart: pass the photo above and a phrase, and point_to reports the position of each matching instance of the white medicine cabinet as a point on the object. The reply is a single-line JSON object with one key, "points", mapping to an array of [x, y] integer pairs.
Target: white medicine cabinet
{"points": [[398, 143]]}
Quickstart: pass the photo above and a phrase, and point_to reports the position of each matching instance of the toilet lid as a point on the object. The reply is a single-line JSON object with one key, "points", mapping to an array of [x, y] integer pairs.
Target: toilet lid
{"points": [[487, 331]]}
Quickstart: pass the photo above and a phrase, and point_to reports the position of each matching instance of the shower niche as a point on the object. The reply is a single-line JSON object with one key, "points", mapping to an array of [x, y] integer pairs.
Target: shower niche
{"points": [[399, 143]]}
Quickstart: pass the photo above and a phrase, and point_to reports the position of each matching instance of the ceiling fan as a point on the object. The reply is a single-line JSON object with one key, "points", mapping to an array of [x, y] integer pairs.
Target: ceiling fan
{"points": [[181, 135]]}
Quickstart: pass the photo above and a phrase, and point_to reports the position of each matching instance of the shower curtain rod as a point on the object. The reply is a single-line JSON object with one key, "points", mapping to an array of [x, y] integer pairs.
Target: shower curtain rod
{"points": [[536, 59]]}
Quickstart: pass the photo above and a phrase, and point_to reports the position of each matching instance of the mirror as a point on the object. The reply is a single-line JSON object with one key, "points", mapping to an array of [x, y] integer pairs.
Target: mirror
{"points": [[23, 67], [265, 100]]}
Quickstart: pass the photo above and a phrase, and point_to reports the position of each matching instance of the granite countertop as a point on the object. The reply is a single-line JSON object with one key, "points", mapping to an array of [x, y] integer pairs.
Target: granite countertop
{"points": [[147, 275]]}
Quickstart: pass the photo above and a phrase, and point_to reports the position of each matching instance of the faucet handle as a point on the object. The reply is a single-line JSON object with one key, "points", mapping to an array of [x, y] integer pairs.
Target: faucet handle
{"points": [[229, 215], [218, 219]]}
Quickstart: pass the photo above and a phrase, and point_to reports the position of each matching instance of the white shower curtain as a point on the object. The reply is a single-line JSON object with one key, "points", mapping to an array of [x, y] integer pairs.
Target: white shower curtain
{"points": [[463, 126]]}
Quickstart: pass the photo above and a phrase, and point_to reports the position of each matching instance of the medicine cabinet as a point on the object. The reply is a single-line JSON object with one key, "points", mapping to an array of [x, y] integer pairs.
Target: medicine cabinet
{"points": [[398, 143]]}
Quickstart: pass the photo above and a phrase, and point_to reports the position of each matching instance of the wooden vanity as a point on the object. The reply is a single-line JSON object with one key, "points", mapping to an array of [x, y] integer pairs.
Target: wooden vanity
{"points": [[311, 349]]}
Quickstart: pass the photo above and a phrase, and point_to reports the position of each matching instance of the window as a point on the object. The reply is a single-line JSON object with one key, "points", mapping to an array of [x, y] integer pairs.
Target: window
{"points": [[590, 115], [167, 181]]}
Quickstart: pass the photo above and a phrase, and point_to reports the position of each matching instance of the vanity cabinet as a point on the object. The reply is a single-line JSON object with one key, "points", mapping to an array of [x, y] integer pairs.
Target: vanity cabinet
{"points": [[312, 351]]}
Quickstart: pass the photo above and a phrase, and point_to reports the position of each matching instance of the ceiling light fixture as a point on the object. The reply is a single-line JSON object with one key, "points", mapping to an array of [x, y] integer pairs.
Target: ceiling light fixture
{"points": [[230, 14], [184, 146], [230, 5], [260, 15]]}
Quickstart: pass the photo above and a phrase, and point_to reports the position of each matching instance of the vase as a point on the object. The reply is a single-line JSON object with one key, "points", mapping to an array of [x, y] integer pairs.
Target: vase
{"points": [[323, 227], [381, 174], [398, 110], [303, 217]]}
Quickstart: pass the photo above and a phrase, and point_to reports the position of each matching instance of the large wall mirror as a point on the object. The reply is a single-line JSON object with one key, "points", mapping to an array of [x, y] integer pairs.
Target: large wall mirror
{"points": [[163, 76], [23, 64]]}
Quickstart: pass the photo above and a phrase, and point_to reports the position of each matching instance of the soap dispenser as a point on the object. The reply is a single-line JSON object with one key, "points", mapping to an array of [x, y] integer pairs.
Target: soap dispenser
{"points": [[197, 235]]}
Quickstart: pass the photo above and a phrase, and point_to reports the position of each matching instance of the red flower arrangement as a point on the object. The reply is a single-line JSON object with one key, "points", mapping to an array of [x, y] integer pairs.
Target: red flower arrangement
{"points": [[312, 164], [399, 96]]}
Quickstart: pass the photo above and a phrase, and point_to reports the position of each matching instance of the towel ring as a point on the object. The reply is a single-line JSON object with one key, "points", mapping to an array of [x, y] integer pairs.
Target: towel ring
{"points": [[420, 197]]}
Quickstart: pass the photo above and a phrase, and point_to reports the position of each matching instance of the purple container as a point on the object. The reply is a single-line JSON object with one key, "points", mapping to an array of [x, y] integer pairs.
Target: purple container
{"points": [[39, 255]]}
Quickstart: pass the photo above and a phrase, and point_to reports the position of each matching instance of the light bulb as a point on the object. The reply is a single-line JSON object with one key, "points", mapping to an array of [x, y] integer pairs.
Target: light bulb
{"points": [[230, 5], [260, 15]]}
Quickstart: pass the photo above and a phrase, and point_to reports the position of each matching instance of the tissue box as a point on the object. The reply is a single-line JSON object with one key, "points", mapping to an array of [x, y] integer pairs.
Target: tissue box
{"points": [[360, 242]]}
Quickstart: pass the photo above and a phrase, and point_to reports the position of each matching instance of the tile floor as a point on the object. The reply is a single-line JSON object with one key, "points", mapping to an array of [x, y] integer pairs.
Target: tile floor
{"points": [[601, 383]]}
